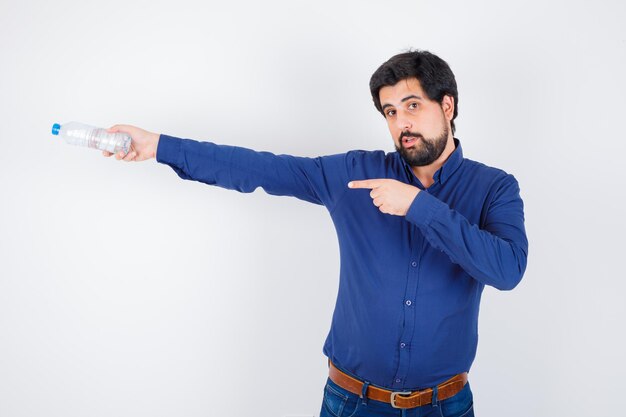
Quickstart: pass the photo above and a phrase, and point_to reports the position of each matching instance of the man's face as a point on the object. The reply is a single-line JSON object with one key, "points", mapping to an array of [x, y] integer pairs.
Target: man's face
{"points": [[419, 126]]}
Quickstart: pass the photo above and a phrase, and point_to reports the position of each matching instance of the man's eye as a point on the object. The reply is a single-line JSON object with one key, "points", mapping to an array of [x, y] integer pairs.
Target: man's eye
{"points": [[413, 105], [391, 112]]}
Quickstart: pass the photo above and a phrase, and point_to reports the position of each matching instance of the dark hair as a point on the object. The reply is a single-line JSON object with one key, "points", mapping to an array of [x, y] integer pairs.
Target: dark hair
{"points": [[433, 73]]}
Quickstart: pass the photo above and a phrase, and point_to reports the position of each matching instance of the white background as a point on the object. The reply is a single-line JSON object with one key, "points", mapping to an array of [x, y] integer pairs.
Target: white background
{"points": [[126, 291]]}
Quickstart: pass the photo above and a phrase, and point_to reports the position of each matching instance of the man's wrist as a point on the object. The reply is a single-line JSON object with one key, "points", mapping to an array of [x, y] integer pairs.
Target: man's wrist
{"points": [[156, 144]]}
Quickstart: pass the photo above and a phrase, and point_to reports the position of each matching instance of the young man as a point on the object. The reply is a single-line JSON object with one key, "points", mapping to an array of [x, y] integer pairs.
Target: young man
{"points": [[421, 231]]}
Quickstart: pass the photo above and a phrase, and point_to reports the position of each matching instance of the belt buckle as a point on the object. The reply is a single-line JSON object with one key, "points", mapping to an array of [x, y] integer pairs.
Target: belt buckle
{"points": [[393, 398]]}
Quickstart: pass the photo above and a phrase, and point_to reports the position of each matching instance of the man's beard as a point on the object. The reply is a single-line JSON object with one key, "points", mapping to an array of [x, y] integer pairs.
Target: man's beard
{"points": [[425, 153]]}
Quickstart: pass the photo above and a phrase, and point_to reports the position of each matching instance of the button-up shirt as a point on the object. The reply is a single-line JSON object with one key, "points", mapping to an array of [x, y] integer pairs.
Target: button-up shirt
{"points": [[406, 315]]}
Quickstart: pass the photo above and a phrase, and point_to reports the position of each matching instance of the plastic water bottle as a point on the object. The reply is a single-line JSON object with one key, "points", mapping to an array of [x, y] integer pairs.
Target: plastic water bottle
{"points": [[81, 134]]}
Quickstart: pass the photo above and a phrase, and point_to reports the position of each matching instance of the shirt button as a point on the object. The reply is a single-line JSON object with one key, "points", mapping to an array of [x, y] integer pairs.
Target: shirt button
{"points": [[402, 345], [408, 302], [413, 264], [398, 380]]}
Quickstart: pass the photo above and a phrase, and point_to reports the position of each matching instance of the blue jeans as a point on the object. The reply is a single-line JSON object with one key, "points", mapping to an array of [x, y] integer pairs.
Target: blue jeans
{"points": [[339, 402]]}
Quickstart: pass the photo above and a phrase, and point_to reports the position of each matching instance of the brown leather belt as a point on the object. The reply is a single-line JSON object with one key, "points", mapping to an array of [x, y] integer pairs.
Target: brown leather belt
{"points": [[398, 399]]}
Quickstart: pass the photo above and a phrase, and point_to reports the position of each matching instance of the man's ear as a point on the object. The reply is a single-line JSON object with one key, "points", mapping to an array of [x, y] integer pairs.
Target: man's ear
{"points": [[447, 105]]}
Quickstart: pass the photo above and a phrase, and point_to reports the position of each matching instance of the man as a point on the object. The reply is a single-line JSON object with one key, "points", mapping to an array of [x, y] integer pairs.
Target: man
{"points": [[421, 231]]}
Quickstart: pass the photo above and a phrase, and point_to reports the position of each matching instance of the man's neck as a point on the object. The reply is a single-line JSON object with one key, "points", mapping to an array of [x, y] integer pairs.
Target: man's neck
{"points": [[426, 173]]}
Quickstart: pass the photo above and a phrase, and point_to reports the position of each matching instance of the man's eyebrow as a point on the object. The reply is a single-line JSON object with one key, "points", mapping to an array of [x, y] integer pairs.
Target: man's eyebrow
{"points": [[403, 100]]}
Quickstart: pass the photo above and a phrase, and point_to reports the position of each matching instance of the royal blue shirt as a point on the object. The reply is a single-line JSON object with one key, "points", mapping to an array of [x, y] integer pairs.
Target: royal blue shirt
{"points": [[406, 316]]}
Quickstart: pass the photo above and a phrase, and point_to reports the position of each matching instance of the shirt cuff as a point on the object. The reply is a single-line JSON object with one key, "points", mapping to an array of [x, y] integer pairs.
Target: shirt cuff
{"points": [[169, 150], [423, 209]]}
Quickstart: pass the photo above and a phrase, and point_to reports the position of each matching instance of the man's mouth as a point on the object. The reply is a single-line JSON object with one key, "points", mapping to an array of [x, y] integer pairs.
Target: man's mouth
{"points": [[408, 141]]}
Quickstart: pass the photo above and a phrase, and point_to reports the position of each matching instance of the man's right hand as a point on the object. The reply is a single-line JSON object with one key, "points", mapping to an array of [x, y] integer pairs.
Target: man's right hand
{"points": [[143, 143]]}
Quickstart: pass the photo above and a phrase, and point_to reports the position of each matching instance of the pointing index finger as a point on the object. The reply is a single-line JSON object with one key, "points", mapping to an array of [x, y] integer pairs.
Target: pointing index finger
{"points": [[364, 184]]}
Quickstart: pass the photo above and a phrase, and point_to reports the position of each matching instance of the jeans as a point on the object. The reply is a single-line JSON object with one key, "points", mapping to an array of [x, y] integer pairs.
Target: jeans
{"points": [[339, 402]]}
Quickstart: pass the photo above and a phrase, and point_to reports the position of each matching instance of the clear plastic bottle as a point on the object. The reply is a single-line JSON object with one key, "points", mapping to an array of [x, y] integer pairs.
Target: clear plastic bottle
{"points": [[81, 134]]}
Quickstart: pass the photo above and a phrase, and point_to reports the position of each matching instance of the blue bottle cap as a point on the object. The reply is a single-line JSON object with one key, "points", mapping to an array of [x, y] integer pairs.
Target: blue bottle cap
{"points": [[55, 128]]}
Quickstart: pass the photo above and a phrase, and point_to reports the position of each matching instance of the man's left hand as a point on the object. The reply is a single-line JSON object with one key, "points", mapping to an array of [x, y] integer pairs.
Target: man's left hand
{"points": [[390, 196]]}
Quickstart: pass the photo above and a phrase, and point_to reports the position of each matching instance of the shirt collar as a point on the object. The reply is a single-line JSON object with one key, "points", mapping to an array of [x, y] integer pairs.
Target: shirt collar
{"points": [[447, 169]]}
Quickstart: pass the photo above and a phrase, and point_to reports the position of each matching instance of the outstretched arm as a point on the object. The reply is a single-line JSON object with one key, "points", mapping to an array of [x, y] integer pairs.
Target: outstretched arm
{"points": [[320, 180]]}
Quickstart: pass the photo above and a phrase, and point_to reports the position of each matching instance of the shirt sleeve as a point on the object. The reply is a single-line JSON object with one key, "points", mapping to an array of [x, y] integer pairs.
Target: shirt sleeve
{"points": [[495, 254], [320, 180]]}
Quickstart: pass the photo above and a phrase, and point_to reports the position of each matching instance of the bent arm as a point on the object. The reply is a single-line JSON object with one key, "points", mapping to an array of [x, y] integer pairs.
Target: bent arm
{"points": [[321, 180], [495, 255]]}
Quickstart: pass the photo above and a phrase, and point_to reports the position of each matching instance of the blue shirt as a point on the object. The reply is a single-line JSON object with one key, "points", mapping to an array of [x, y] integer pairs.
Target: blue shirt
{"points": [[406, 316]]}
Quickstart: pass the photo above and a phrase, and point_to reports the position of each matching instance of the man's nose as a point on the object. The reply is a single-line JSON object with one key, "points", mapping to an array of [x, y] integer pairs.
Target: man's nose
{"points": [[404, 123]]}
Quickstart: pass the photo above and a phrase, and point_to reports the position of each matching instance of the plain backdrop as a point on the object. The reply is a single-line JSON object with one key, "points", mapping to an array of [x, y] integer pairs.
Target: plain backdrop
{"points": [[126, 291]]}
